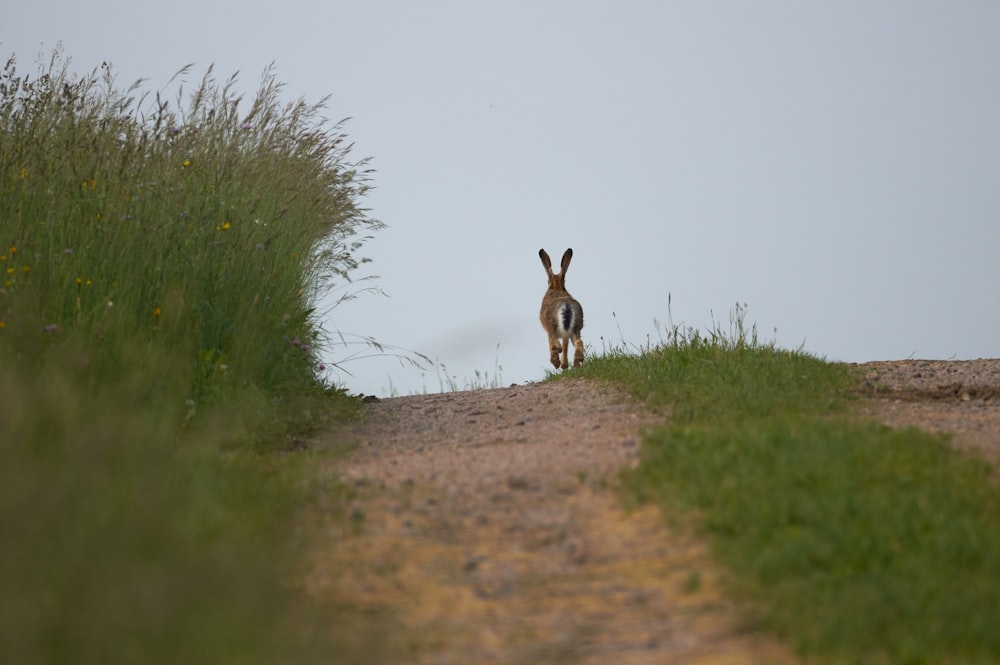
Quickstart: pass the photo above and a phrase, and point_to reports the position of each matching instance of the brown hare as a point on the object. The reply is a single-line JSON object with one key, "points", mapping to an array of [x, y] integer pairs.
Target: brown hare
{"points": [[561, 315]]}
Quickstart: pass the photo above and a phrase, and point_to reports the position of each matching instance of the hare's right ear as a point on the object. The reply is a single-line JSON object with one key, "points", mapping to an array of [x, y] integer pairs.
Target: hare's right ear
{"points": [[566, 259], [546, 261]]}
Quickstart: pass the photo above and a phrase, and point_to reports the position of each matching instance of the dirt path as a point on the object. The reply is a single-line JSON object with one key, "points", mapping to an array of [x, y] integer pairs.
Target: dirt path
{"points": [[487, 525], [960, 397]]}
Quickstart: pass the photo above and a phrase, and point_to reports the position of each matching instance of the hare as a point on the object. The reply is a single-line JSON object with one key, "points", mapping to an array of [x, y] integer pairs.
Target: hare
{"points": [[561, 315]]}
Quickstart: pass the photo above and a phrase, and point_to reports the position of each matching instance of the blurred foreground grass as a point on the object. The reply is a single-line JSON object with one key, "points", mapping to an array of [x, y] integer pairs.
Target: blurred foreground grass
{"points": [[159, 265], [125, 540], [855, 543]]}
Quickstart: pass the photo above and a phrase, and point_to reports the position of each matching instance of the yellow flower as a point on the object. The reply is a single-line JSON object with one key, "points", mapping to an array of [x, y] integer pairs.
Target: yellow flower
{"points": [[2, 325], [12, 251], [25, 269], [157, 311], [24, 173], [225, 226], [79, 281], [10, 271]]}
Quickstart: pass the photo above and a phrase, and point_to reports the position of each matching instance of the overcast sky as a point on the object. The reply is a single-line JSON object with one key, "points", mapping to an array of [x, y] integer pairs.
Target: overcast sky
{"points": [[834, 165]]}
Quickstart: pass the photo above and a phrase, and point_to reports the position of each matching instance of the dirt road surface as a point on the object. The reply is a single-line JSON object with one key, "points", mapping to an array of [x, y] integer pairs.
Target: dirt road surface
{"points": [[487, 524]]}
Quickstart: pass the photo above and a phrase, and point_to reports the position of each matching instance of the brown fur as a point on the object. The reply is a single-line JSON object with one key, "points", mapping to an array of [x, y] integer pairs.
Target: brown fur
{"points": [[552, 305]]}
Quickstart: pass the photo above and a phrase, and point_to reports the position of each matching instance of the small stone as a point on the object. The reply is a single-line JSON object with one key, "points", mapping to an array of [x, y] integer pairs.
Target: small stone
{"points": [[517, 483]]}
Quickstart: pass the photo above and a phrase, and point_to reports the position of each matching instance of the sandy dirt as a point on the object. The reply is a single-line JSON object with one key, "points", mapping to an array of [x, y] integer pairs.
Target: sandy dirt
{"points": [[959, 397], [489, 526]]}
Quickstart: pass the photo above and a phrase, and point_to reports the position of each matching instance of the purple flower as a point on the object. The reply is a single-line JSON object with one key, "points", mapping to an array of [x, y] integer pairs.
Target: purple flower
{"points": [[67, 251], [296, 342], [51, 328], [322, 367]]}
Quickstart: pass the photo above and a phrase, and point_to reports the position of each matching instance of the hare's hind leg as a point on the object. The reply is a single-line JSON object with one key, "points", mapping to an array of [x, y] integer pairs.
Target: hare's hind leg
{"points": [[554, 348], [577, 351], [565, 352]]}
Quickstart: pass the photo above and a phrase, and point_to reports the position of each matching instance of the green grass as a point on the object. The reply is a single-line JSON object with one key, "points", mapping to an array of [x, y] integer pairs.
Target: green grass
{"points": [[854, 542], [210, 227], [123, 543], [159, 350]]}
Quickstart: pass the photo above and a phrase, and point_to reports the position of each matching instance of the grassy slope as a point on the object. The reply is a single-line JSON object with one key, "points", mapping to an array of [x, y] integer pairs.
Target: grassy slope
{"points": [[858, 543], [158, 264]]}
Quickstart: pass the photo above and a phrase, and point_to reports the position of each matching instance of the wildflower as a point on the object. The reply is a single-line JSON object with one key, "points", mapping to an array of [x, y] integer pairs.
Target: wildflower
{"points": [[296, 342], [51, 328], [25, 269], [322, 367], [79, 281], [157, 311], [24, 173], [10, 271], [304, 347], [67, 251], [225, 226], [12, 251], [246, 125], [2, 325]]}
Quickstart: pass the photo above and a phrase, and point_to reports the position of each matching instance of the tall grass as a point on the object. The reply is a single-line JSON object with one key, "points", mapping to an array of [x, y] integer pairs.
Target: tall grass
{"points": [[159, 265], [123, 544], [857, 543], [207, 227]]}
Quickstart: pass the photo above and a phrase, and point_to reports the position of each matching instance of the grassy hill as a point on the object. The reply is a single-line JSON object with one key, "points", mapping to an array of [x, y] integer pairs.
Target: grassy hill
{"points": [[854, 542]]}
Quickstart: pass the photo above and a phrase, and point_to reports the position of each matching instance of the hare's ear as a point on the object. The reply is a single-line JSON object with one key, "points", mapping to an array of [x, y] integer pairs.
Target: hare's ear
{"points": [[566, 259], [546, 261]]}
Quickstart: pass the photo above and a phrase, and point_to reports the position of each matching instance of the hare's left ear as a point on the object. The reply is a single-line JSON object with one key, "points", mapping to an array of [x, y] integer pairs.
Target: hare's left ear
{"points": [[566, 259], [546, 261]]}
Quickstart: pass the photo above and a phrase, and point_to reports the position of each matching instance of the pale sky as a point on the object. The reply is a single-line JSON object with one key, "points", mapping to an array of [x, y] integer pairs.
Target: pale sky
{"points": [[834, 165]]}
